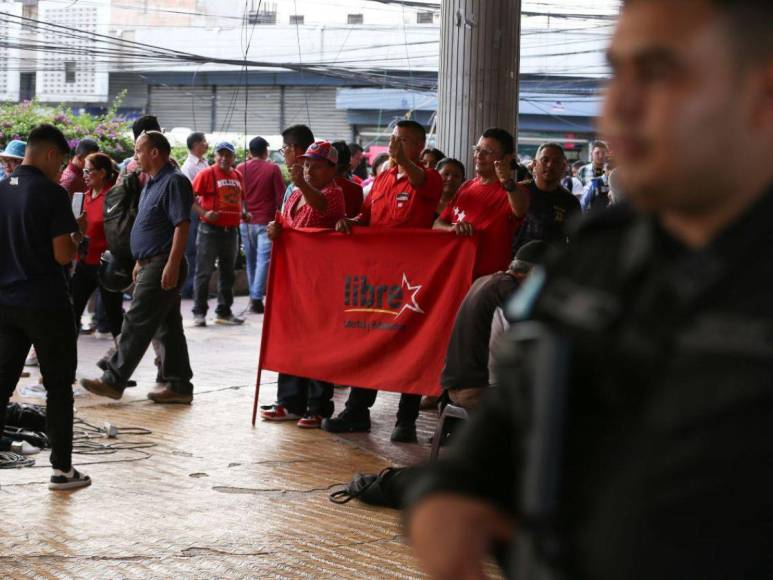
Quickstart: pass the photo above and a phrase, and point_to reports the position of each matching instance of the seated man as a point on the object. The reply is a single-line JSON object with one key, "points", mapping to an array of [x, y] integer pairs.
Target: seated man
{"points": [[316, 202], [479, 323]]}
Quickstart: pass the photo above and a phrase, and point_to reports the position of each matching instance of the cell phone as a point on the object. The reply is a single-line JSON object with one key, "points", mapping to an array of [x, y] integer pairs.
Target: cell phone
{"points": [[77, 204]]}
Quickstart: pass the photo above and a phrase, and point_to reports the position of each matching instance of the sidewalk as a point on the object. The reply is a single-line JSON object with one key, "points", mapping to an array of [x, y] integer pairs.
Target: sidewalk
{"points": [[214, 498]]}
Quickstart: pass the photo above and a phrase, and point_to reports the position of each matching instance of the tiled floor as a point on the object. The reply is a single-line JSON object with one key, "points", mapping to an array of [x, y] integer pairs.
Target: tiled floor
{"points": [[213, 497]]}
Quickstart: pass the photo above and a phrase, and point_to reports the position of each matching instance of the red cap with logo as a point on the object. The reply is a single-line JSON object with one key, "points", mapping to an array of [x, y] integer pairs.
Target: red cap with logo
{"points": [[322, 150]]}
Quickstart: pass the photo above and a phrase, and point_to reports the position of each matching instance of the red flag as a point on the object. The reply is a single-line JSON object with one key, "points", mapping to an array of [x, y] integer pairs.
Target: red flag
{"points": [[372, 309]]}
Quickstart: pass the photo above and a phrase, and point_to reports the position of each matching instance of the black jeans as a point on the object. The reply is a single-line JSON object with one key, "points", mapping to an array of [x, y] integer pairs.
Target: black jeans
{"points": [[360, 400], [154, 313], [221, 244], [83, 283], [53, 334], [299, 395]]}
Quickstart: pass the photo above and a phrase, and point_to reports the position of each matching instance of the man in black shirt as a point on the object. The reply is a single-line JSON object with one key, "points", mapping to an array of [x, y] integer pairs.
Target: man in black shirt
{"points": [[664, 305], [158, 240], [466, 375], [550, 205], [40, 236]]}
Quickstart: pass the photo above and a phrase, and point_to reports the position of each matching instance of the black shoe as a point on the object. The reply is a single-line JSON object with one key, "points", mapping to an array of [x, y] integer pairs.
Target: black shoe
{"points": [[73, 481], [346, 423], [404, 433], [256, 307]]}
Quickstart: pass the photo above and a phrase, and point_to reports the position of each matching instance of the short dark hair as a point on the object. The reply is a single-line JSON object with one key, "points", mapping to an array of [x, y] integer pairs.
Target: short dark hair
{"points": [[747, 26], [599, 145], [344, 153], [450, 161], [195, 137], [103, 161], [158, 141], [144, 124], [50, 135], [298, 135], [378, 161], [86, 147], [436, 153], [503, 137], [550, 145], [258, 146], [416, 127], [355, 148]]}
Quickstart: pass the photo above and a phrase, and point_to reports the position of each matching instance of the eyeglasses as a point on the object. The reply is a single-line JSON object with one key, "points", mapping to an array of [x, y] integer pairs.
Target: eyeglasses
{"points": [[88, 171], [480, 151]]}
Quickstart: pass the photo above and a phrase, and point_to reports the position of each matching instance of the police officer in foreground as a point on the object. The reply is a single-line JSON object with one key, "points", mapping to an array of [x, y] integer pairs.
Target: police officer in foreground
{"points": [[667, 447]]}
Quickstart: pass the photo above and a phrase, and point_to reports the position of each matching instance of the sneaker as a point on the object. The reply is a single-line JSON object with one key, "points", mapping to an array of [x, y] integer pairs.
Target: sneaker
{"points": [[99, 335], [101, 388], [199, 320], [228, 320], [310, 422], [24, 448], [164, 394], [257, 307], [32, 359], [346, 423], [72, 480], [404, 433], [102, 363], [87, 329], [277, 413]]}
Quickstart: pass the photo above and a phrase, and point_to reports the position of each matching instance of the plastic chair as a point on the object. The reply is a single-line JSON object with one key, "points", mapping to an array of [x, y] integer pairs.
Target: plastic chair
{"points": [[450, 411]]}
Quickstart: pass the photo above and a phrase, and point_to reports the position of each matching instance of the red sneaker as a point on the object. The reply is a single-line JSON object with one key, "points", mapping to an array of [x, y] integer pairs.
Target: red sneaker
{"points": [[310, 422], [277, 413]]}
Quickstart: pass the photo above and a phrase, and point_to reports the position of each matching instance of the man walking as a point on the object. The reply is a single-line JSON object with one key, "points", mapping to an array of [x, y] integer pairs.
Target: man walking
{"points": [[218, 191], [263, 189], [40, 238], [158, 244]]}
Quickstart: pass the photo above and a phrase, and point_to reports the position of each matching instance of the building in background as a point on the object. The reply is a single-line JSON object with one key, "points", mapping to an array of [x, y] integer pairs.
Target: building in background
{"points": [[349, 69]]}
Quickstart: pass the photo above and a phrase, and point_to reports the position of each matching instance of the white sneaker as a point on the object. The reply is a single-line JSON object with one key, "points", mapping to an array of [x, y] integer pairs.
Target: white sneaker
{"points": [[24, 448], [199, 320], [103, 335]]}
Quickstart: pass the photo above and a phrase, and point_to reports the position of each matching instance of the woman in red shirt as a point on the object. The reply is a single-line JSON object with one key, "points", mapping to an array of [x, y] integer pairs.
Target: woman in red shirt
{"points": [[99, 174]]}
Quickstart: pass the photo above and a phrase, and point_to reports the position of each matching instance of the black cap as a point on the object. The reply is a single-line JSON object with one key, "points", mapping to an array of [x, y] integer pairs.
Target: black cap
{"points": [[534, 252]]}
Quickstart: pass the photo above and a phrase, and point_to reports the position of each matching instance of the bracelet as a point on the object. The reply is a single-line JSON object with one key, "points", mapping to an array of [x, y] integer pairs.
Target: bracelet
{"points": [[509, 185]]}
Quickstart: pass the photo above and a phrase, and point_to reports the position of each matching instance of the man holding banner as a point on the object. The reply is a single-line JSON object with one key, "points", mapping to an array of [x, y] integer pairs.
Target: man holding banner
{"points": [[404, 196], [316, 202]]}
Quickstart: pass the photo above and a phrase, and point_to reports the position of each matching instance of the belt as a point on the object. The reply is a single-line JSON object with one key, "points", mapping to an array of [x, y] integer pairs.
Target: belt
{"points": [[151, 259]]}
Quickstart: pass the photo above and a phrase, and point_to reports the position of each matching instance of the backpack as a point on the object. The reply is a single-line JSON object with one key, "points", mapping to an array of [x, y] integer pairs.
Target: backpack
{"points": [[387, 489], [121, 204]]}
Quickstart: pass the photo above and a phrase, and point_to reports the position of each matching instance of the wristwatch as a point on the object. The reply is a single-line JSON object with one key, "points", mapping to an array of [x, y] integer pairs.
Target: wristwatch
{"points": [[509, 184]]}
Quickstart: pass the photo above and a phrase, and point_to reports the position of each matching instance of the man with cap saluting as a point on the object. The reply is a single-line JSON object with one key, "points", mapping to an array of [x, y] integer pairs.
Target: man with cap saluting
{"points": [[219, 191]]}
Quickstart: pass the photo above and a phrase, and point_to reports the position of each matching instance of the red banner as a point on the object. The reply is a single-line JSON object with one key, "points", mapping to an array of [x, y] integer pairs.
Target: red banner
{"points": [[372, 309]]}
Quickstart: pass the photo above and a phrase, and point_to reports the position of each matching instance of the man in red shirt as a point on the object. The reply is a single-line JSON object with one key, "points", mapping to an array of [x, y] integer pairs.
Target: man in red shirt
{"points": [[315, 202], [490, 205], [403, 196], [72, 176], [352, 191], [263, 190], [219, 204]]}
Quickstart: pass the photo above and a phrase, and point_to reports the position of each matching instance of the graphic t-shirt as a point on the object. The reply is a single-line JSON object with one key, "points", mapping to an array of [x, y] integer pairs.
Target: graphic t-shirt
{"points": [[548, 214], [487, 208], [220, 191]]}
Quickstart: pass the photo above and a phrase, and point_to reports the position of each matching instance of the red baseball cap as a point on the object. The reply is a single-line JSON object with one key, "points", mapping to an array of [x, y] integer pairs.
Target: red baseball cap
{"points": [[322, 150]]}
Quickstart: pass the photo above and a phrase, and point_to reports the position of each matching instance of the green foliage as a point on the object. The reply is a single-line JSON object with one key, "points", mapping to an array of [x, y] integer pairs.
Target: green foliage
{"points": [[111, 131]]}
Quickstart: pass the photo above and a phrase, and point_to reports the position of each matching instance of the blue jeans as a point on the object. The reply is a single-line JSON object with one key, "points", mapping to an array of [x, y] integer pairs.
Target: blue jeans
{"points": [[257, 250]]}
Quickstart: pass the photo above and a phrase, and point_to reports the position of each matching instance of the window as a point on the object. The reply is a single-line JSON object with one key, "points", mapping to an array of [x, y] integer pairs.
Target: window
{"points": [[265, 14], [425, 17], [69, 71], [296, 18], [354, 19]]}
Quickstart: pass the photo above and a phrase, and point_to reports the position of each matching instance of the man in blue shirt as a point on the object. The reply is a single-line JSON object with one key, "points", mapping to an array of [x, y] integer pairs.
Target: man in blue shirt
{"points": [[158, 240], [40, 236]]}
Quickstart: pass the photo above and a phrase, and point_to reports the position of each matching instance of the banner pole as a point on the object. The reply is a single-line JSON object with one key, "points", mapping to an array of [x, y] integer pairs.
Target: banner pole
{"points": [[266, 324]]}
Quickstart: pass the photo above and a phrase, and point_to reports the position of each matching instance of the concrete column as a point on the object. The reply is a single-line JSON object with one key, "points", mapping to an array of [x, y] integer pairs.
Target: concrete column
{"points": [[478, 79]]}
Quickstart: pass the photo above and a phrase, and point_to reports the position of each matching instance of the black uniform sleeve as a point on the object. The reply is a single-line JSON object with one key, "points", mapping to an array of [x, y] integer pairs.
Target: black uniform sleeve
{"points": [[62, 221], [486, 457]]}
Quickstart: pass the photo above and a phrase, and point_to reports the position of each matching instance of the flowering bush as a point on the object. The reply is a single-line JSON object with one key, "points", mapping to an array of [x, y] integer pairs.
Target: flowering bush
{"points": [[111, 131]]}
